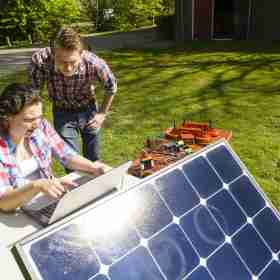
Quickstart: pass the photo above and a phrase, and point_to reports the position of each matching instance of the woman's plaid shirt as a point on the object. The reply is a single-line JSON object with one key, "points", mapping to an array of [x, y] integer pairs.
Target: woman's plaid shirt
{"points": [[44, 143], [72, 92]]}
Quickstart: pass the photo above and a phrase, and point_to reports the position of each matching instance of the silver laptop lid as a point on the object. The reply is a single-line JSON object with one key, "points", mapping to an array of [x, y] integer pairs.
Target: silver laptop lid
{"points": [[98, 187]]}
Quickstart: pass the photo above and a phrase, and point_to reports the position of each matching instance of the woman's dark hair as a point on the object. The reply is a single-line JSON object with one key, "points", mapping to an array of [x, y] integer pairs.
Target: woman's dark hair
{"points": [[13, 99]]}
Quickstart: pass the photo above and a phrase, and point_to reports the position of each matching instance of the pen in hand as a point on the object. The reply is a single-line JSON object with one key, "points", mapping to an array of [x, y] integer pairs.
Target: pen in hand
{"points": [[58, 185]]}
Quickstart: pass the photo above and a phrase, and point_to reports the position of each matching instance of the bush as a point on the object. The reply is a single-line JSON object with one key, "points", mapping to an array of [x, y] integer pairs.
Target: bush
{"points": [[84, 27], [38, 18]]}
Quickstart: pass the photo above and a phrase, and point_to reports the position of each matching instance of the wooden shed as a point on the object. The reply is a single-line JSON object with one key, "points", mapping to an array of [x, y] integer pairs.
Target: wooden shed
{"points": [[227, 19]]}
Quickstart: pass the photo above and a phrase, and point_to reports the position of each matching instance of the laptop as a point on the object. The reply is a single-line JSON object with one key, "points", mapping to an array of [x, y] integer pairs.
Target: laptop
{"points": [[46, 210]]}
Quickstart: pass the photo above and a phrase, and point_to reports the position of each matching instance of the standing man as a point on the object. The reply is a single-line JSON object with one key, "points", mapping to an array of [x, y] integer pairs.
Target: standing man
{"points": [[69, 71]]}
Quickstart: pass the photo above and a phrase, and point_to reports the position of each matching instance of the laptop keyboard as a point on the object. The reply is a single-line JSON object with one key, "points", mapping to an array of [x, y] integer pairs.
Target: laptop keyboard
{"points": [[48, 210]]}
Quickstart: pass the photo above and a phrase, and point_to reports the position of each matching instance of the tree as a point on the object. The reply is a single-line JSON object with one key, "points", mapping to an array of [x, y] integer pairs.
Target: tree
{"points": [[89, 9], [58, 13], [39, 18], [132, 13]]}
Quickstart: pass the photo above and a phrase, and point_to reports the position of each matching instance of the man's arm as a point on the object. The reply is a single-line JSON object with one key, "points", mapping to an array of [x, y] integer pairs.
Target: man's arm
{"points": [[99, 117], [106, 104], [109, 82]]}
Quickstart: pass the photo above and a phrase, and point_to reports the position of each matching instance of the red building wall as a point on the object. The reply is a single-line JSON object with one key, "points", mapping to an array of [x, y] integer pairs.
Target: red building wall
{"points": [[203, 17]]}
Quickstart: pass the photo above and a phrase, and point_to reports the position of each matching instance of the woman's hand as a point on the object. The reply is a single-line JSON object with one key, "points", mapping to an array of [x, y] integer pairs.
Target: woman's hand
{"points": [[67, 183], [53, 187], [98, 168]]}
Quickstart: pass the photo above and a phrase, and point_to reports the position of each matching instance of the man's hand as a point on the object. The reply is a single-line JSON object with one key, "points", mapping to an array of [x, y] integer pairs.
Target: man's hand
{"points": [[97, 121]]}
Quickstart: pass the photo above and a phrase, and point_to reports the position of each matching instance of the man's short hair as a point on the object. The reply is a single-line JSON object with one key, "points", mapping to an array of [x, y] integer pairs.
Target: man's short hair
{"points": [[67, 38]]}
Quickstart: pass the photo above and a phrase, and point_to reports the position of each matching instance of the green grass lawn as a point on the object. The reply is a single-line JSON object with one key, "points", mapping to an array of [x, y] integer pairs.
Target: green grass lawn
{"points": [[236, 85]]}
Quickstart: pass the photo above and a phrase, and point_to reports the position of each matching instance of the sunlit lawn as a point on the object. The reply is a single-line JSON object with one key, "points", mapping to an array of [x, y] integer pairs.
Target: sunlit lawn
{"points": [[233, 84]]}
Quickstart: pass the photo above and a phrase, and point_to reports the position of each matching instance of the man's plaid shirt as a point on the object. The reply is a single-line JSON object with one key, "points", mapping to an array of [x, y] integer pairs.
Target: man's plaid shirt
{"points": [[44, 143], [71, 92]]}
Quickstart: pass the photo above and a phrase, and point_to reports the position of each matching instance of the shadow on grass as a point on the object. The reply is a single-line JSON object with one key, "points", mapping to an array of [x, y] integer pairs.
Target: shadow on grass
{"points": [[146, 81]]}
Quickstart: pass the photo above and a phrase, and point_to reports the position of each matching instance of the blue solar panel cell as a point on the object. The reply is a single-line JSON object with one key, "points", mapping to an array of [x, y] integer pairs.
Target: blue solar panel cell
{"points": [[65, 256], [177, 192], [202, 230], [207, 184], [268, 225], [200, 274], [139, 265], [224, 163], [154, 214], [252, 249], [272, 272], [106, 233], [227, 213], [112, 245], [247, 196], [226, 265], [173, 252], [202, 219]]}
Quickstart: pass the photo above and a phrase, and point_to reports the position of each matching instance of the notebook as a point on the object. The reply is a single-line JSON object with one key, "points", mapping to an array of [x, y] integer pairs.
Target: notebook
{"points": [[46, 210]]}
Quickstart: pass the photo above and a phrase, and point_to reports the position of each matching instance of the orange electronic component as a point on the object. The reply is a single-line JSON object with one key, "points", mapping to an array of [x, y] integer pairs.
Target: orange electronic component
{"points": [[178, 142], [197, 133]]}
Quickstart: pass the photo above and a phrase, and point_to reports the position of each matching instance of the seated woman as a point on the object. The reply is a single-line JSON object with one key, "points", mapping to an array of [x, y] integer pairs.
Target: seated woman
{"points": [[27, 145]]}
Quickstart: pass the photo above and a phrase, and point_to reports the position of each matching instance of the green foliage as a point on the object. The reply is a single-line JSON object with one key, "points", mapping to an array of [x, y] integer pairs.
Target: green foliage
{"points": [[89, 10], [130, 14], [58, 13], [168, 7], [39, 18]]}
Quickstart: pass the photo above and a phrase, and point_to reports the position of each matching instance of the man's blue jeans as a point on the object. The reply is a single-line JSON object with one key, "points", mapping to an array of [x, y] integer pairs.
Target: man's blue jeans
{"points": [[71, 125]]}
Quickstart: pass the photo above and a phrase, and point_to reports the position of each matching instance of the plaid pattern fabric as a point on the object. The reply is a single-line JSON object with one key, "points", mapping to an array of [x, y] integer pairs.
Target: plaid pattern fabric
{"points": [[44, 143], [71, 92]]}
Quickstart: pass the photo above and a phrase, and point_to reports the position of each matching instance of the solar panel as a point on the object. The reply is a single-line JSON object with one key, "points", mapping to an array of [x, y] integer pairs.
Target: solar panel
{"points": [[203, 218]]}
